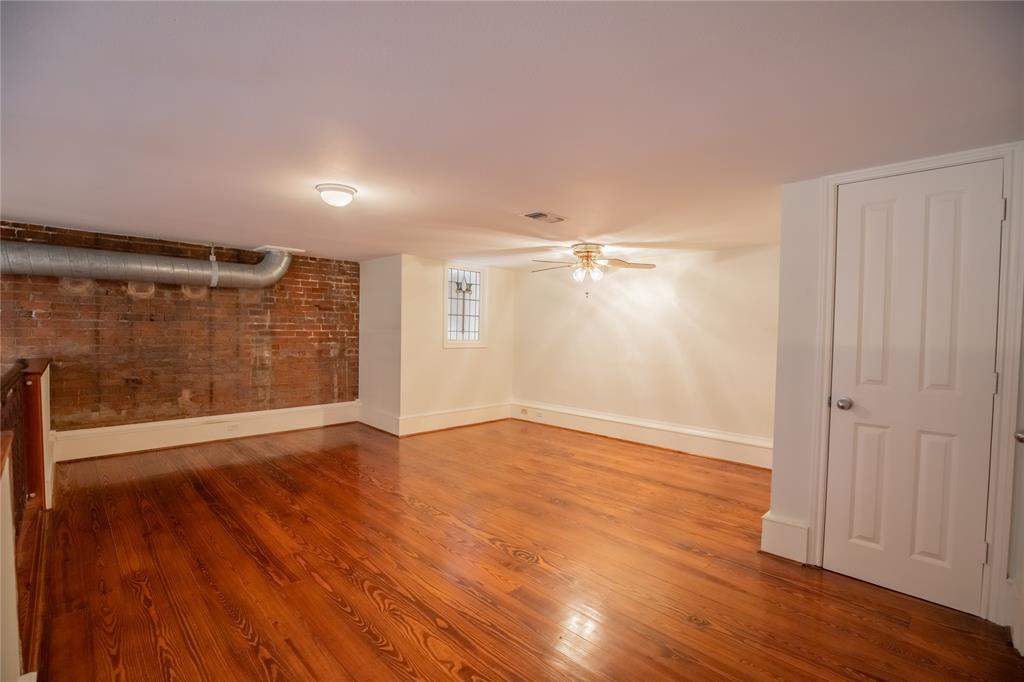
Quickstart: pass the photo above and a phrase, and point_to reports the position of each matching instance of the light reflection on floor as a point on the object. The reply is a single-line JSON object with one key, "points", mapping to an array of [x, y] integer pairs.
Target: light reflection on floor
{"points": [[587, 634]]}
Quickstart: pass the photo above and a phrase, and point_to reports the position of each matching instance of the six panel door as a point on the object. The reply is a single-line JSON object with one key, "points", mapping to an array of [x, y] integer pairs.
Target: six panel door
{"points": [[916, 296]]}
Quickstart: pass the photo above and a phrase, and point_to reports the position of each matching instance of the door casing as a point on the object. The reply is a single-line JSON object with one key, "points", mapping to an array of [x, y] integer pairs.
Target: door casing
{"points": [[996, 599]]}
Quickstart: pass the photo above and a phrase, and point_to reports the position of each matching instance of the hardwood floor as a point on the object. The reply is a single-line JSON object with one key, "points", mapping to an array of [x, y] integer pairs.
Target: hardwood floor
{"points": [[501, 551]]}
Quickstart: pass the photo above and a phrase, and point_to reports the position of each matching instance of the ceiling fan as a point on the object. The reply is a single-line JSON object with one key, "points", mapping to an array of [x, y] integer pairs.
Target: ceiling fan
{"points": [[589, 260]]}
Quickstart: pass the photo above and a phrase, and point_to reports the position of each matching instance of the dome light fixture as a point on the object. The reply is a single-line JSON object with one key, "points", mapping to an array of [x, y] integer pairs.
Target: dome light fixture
{"points": [[336, 195]]}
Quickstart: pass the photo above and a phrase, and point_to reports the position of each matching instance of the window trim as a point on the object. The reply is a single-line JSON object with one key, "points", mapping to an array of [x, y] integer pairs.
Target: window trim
{"points": [[484, 296]]}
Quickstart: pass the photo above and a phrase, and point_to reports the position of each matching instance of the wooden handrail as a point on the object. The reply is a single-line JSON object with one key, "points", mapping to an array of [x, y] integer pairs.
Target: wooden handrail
{"points": [[11, 375], [21, 410], [12, 419], [21, 413], [36, 365], [35, 429]]}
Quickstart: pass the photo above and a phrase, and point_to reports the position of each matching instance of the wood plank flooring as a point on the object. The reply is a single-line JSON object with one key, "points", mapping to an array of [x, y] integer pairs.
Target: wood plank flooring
{"points": [[500, 551]]}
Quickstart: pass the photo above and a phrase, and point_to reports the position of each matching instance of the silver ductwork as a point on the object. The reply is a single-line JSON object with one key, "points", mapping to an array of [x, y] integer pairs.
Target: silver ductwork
{"points": [[31, 258]]}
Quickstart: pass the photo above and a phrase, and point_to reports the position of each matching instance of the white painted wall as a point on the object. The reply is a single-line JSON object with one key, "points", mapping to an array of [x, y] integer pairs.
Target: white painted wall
{"points": [[408, 381], [380, 341], [684, 355], [797, 398], [442, 387], [686, 350]]}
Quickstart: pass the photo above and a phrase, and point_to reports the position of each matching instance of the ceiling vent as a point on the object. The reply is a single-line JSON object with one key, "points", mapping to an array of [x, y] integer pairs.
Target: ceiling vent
{"points": [[543, 217]]}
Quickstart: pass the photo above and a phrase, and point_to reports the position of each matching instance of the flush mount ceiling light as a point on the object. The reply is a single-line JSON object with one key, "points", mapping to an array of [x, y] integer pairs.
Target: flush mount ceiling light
{"points": [[336, 195]]}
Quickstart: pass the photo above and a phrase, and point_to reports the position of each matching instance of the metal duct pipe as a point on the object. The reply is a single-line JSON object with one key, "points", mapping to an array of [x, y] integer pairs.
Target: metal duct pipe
{"points": [[31, 258]]}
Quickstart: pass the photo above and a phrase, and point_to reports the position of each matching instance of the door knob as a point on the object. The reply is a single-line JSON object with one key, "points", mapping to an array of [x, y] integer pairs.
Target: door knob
{"points": [[844, 403], [1019, 436]]}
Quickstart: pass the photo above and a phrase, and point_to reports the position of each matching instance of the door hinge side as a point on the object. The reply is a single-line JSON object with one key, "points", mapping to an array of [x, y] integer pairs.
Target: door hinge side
{"points": [[1006, 209], [984, 553], [995, 383]]}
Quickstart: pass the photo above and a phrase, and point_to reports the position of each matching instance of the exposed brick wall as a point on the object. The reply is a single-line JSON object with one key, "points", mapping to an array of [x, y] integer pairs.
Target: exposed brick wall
{"points": [[125, 353]]}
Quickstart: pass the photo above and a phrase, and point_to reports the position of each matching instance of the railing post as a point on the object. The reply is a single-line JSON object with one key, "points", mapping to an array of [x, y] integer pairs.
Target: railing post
{"points": [[34, 432]]}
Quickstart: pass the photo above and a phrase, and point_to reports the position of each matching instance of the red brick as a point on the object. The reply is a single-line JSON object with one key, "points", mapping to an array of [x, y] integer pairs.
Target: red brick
{"points": [[121, 360]]}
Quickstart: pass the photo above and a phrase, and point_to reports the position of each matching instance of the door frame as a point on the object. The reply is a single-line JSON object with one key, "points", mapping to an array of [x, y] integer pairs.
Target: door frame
{"points": [[996, 594]]}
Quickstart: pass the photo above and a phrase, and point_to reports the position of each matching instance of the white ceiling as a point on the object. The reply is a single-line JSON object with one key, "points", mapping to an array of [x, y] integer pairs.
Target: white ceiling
{"points": [[647, 125]]}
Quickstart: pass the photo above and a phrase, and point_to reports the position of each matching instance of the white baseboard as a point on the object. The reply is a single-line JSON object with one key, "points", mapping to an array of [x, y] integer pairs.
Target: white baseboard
{"points": [[432, 421], [784, 537], [114, 440], [733, 447], [1017, 616], [378, 419], [1005, 603]]}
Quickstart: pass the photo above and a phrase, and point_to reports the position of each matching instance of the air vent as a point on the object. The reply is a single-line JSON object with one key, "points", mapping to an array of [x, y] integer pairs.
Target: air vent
{"points": [[543, 217]]}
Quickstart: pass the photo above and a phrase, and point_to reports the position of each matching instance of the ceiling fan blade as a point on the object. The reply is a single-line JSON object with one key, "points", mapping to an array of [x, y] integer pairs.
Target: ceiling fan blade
{"points": [[619, 263], [554, 267], [560, 262]]}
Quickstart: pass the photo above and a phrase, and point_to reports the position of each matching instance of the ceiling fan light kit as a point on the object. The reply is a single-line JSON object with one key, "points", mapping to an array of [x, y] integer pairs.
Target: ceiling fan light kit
{"points": [[590, 261]]}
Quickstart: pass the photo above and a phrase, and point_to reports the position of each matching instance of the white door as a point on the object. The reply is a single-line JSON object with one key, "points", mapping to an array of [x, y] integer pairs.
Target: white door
{"points": [[917, 278]]}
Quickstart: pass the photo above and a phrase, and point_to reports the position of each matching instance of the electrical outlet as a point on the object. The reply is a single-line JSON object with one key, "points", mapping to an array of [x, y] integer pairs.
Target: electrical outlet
{"points": [[523, 410]]}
